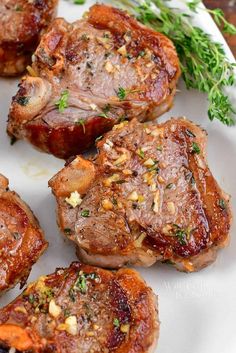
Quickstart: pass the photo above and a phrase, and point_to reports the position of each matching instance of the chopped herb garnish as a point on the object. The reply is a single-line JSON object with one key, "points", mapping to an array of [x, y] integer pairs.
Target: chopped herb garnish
{"points": [[190, 133], [107, 54], [18, 8], [129, 56], [106, 108], [85, 37], [116, 322], [79, 2], [114, 201], [23, 100], [141, 53], [85, 213], [154, 167], [98, 138], [62, 103], [66, 312], [13, 140], [31, 298], [103, 115], [168, 262], [122, 118], [120, 181], [81, 122], [81, 284], [222, 204], [121, 93], [169, 186], [181, 234], [67, 231], [16, 235], [135, 206], [195, 148], [140, 153], [89, 65], [159, 148], [72, 294], [192, 181]]}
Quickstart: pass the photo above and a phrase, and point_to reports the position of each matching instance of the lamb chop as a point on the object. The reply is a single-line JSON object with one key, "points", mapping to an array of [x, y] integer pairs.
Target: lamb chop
{"points": [[22, 22], [82, 309], [148, 195], [87, 76], [21, 239]]}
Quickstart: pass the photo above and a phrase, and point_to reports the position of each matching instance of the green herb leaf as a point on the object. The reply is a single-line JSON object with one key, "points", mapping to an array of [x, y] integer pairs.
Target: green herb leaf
{"points": [[81, 284], [62, 103], [81, 122], [192, 5], [180, 234], [195, 148], [168, 262], [190, 133], [140, 153], [116, 322], [121, 94], [13, 140], [98, 138], [85, 213], [23, 100], [79, 2], [120, 181], [31, 298], [67, 231], [222, 204]]}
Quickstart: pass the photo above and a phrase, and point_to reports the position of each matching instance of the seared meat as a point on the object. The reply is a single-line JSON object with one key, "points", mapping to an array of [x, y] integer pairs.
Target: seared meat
{"points": [[88, 75], [21, 23], [149, 195], [21, 239], [82, 309]]}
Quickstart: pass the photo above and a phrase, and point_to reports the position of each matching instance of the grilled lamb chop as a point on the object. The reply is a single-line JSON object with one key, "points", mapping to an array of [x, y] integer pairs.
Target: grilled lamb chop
{"points": [[149, 195], [82, 309], [21, 239], [22, 22], [88, 75]]}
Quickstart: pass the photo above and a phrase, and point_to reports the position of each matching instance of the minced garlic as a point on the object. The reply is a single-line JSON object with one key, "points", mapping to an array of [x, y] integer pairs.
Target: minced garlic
{"points": [[171, 207], [21, 309], [120, 126], [156, 202], [123, 158], [54, 309], [93, 106], [122, 50], [133, 196], [125, 328], [160, 179], [149, 162], [74, 200], [71, 325], [109, 67], [113, 178], [107, 204], [138, 242]]}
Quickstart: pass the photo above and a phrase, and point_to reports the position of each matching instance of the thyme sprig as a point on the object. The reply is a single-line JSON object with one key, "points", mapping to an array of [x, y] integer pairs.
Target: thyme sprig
{"points": [[204, 64]]}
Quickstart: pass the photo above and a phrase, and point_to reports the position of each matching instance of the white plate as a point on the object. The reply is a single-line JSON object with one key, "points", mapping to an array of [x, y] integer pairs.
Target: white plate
{"points": [[197, 311]]}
